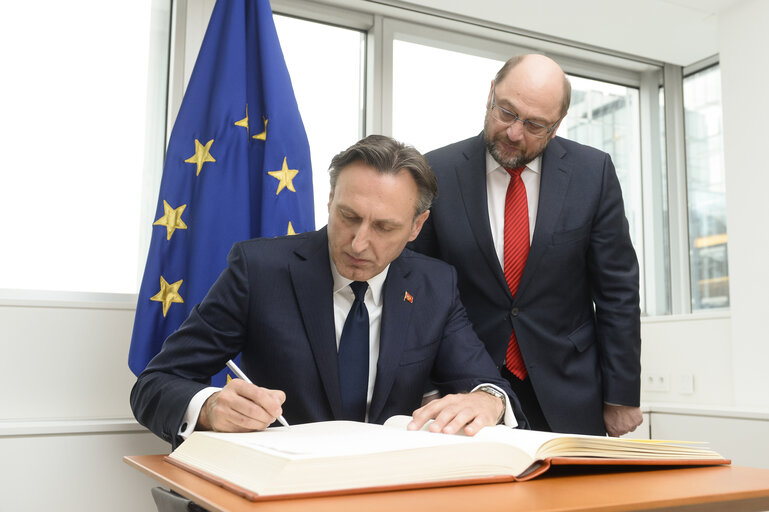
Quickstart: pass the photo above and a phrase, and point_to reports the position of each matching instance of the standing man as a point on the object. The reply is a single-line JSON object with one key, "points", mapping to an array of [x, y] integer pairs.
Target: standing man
{"points": [[536, 228], [340, 323]]}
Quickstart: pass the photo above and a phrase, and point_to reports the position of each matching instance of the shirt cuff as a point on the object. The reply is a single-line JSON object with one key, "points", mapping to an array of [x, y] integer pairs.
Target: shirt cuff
{"points": [[193, 411], [508, 418]]}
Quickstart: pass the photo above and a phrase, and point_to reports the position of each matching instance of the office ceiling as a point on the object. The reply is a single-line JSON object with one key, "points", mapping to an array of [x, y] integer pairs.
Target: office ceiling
{"points": [[677, 31]]}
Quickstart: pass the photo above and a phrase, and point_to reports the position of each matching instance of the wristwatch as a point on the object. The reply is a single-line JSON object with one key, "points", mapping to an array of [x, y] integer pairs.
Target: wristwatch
{"points": [[497, 393]]}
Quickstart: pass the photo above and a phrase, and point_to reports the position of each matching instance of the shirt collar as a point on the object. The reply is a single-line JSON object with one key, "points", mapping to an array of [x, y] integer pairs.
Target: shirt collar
{"points": [[376, 283], [492, 165]]}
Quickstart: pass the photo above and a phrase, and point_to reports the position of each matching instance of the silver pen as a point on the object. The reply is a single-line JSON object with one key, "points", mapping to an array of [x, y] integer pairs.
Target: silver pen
{"points": [[237, 371]]}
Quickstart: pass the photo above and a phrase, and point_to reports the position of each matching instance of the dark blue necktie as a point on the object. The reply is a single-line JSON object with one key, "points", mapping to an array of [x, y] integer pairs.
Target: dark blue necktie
{"points": [[353, 357]]}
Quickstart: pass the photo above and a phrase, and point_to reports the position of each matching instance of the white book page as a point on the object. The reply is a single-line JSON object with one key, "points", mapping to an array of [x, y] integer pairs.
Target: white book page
{"points": [[528, 441], [340, 439]]}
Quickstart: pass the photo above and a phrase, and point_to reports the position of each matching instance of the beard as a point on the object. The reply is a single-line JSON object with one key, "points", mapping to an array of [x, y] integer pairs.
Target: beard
{"points": [[510, 161]]}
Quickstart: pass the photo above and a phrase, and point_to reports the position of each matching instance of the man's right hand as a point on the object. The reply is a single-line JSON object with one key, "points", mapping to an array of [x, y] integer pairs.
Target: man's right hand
{"points": [[241, 407]]}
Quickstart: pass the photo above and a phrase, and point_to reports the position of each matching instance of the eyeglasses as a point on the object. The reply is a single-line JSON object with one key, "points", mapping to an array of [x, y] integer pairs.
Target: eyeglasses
{"points": [[508, 118]]}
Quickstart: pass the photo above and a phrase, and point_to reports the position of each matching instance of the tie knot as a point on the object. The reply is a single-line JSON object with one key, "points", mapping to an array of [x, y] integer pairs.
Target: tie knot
{"points": [[515, 172], [359, 289]]}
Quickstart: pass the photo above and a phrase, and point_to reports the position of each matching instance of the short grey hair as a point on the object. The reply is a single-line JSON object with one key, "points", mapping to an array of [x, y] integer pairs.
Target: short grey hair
{"points": [[388, 156]]}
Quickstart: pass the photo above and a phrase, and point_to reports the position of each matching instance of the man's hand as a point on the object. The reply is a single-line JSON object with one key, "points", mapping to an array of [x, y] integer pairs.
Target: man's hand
{"points": [[471, 411], [621, 419], [241, 407]]}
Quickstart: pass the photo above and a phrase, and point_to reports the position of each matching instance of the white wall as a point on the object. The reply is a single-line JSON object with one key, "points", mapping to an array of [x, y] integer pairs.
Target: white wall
{"points": [[65, 421], [745, 74], [76, 472], [65, 362], [682, 348], [736, 436]]}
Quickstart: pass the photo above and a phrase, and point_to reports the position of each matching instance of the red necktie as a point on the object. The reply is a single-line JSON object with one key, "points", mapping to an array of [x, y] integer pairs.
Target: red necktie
{"points": [[515, 253]]}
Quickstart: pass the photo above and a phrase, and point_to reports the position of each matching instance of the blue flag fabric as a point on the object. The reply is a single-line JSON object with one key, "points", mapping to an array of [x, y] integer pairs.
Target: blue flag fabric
{"points": [[237, 167]]}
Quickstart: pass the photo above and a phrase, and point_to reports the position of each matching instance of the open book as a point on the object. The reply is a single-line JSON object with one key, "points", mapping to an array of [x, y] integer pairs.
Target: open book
{"points": [[346, 456]]}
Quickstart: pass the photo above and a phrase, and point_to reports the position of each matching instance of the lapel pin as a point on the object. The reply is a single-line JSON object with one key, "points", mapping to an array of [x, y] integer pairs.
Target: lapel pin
{"points": [[407, 297]]}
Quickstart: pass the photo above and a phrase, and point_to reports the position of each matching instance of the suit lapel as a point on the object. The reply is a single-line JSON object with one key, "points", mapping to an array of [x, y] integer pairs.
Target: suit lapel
{"points": [[313, 286], [396, 312], [471, 176], [552, 190]]}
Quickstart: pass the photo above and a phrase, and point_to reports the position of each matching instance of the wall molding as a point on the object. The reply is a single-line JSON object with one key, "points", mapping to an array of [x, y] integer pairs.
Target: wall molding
{"points": [[67, 299], [57, 427]]}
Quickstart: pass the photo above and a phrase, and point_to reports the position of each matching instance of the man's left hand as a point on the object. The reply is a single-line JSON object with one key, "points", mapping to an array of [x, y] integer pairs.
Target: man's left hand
{"points": [[621, 419], [452, 413]]}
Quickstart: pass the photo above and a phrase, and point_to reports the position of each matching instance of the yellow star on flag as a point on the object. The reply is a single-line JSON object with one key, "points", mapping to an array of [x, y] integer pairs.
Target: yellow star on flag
{"points": [[172, 219], [290, 229], [263, 135], [202, 155], [243, 122], [168, 293], [285, 177]]}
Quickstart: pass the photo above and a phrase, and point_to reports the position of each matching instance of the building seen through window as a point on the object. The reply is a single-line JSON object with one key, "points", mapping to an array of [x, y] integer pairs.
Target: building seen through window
{"points": [[706, 190]]}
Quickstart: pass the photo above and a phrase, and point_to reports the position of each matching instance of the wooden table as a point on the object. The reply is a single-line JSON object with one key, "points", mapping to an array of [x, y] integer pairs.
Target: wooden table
{"points": [[713, 488]]}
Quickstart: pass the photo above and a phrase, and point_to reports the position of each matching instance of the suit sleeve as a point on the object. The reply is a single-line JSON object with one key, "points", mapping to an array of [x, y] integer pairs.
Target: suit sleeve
{"points": [[212, 334], [613, 273], [462, 362]]}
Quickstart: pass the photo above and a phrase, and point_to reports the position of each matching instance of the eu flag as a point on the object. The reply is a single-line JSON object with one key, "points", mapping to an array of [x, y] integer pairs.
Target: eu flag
{"points": [[237, 167]]}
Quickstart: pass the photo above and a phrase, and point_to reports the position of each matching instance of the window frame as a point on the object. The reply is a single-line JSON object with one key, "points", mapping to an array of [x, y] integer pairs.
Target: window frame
{"points": [[385, 21]]}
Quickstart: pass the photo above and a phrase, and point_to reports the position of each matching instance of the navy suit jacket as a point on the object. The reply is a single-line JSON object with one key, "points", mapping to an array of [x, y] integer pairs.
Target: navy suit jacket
{"points": [[576, 313], [274, 304]]}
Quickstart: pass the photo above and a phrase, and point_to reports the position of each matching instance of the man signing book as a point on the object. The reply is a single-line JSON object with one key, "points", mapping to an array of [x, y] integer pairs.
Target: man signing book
{"points": [[339, 323]]}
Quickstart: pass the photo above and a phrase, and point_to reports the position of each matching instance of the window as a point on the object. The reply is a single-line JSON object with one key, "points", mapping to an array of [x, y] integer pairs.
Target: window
{"points": [[329, 92], [439, 95], [83, 120], [709, 266]]}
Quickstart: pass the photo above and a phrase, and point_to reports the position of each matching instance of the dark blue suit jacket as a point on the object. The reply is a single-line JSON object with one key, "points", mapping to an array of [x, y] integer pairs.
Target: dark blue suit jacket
{"points": [[576, 313], [274, 304]]}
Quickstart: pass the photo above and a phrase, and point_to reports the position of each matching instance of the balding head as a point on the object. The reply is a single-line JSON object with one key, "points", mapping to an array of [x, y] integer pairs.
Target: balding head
{"points": [[538, 74], [529, 91]]}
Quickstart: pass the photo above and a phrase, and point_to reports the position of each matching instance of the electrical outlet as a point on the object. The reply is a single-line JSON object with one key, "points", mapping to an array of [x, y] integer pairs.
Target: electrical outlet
{"points": [[685, 384], [656, 382]]}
